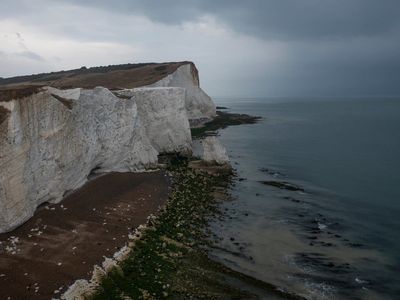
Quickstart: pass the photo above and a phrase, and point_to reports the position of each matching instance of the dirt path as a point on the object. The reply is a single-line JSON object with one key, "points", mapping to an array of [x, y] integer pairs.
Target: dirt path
{"points": [[62, 242]]}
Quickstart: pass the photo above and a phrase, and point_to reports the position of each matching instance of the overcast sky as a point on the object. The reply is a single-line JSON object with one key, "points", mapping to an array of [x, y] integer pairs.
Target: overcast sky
{"points": [[242, 48]]}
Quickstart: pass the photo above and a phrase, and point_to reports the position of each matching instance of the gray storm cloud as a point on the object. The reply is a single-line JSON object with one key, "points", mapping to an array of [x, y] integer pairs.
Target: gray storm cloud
{"points": [[283, 19], [319, 47]]}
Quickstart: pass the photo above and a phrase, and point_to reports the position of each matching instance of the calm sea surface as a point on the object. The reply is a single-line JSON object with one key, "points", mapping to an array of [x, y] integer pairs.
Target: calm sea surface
{"points": [[340, 238]]}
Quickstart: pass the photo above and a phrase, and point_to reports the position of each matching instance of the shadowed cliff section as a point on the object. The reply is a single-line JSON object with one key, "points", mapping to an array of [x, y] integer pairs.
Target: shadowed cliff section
{"points": [[111, 77], [4, 112]]}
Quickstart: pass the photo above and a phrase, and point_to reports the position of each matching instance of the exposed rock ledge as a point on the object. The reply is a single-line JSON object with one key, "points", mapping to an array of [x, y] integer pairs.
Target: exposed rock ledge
{"points": [[51, 140]]}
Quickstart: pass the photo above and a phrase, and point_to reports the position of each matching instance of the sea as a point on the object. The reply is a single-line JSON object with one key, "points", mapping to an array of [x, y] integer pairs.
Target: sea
{"points": [[338, 235]]}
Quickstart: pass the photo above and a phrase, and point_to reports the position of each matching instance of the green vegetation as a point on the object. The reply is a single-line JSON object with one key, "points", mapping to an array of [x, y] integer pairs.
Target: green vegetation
{"points": [[223, 120], [170, 261]]}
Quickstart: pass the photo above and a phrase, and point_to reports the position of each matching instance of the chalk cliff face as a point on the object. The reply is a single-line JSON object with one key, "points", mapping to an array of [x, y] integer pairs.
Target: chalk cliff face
{"points": [[164, 117], [51, 140], [199, 105]]}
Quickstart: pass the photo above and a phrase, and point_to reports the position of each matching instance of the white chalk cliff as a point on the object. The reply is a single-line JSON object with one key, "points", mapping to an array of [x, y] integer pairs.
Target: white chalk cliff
{"points": [[164, 117], [52, 140], [210, 150], [199, 105]]}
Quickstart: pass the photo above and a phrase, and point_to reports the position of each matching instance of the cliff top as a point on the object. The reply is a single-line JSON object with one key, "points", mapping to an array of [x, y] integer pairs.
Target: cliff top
{"points": [[112, 77]]}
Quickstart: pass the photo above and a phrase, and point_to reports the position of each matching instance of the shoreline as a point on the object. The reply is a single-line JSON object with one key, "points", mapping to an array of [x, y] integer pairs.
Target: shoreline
{"points": [[170, 258], [189, 249]]}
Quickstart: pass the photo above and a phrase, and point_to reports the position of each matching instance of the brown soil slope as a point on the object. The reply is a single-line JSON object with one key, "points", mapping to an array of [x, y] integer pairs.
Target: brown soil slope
{"points": [[111, 77], [62, 242]]}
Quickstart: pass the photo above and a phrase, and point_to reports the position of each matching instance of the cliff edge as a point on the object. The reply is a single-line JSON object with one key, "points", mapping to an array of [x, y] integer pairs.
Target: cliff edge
{"points": [[57, 129], [184, 74]]}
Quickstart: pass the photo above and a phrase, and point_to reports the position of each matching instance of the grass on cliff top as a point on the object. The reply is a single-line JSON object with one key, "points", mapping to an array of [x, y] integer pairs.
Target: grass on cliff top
{"points": [[171, 261], [221, 121]]}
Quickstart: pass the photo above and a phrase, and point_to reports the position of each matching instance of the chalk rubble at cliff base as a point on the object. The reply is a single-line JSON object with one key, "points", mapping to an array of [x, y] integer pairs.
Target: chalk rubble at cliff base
{"points": [[210, 150], [52, 140]]}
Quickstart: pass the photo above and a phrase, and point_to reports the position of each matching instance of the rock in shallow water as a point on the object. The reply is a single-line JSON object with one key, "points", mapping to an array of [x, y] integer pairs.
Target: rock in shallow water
{"points": [[283, 185]]}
